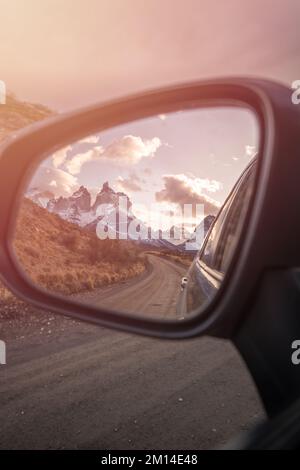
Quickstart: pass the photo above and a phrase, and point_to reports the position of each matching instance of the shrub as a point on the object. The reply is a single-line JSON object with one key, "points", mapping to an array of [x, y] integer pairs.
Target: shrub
{"points": [[69, 240]]}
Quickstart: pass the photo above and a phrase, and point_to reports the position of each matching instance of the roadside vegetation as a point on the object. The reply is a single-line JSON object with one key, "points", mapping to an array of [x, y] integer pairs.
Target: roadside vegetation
{"points": [[15, 115], [60, 257], [184, 259]]}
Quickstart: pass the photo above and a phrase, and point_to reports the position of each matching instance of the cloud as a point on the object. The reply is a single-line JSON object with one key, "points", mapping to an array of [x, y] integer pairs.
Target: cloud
{"points": [[59, 182], [182, 189], [91, 139], [74, 164], [131, 149], [147, 171], [250, 151], [59, 157], [132, 183], [127, 150]]}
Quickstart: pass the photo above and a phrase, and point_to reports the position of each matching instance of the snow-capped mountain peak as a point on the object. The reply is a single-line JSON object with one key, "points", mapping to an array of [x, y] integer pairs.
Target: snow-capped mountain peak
{"points": [[79, 210], [108, 196]]}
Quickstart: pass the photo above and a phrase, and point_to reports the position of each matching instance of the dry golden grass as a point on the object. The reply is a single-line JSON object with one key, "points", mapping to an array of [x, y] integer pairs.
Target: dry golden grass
{"points": [[15, 115], [5, 295], [64, 258], [55, 254]]}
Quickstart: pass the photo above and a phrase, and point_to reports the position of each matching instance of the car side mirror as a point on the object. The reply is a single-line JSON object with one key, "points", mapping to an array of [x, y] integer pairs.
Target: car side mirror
{"points": [[147, 210]]}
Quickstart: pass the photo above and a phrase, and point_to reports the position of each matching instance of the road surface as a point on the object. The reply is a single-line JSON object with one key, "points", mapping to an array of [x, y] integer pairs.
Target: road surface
{"points": [[154, 293], [72, 385]]}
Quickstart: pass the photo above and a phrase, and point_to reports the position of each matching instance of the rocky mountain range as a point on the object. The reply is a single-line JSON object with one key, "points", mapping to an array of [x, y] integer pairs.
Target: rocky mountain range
{"points": [[79, 209]]}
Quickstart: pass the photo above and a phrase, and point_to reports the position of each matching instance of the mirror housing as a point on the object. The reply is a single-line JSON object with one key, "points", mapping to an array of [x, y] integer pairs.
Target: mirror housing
{"points": [[279, 123]]}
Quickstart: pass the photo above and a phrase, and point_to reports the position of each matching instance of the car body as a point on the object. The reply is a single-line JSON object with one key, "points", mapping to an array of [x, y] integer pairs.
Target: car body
{"points": [[206, 274]]}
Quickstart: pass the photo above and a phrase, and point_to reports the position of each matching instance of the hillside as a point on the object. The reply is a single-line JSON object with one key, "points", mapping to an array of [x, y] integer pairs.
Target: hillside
{"points": [[78, 209], [64, 258], [16, 114]]}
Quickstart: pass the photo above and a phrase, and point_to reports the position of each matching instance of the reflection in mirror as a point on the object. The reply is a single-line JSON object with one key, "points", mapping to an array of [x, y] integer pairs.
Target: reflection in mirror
{"points": [[117, 220]]}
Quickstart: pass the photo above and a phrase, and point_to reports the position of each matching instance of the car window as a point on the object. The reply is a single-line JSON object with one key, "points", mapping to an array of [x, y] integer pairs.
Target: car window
{"points": [[222, 239], [234, 222], [207, 254]]}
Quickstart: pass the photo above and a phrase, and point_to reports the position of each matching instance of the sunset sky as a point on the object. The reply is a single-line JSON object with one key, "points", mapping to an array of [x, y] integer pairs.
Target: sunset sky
{"points": [[188, 157], [73, 52]]}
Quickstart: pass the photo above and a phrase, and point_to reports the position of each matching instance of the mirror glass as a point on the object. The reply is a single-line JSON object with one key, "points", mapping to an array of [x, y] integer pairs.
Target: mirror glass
{"points": [[144, 217]]}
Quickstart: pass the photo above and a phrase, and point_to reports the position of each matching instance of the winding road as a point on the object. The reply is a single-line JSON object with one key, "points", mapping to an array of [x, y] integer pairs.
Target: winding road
{"points": [[154, 293]]}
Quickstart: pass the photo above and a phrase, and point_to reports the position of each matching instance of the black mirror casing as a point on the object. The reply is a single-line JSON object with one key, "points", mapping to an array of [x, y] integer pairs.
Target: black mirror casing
{"points": [[262, 245]]}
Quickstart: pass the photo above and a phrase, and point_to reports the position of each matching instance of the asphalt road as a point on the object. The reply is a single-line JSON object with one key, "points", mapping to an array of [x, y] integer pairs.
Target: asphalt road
{"points": [[80, 386]]}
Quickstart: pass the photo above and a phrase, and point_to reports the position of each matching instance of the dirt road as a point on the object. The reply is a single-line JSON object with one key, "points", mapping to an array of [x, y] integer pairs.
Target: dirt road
{"points": [[72, 385], [154, 293]]}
